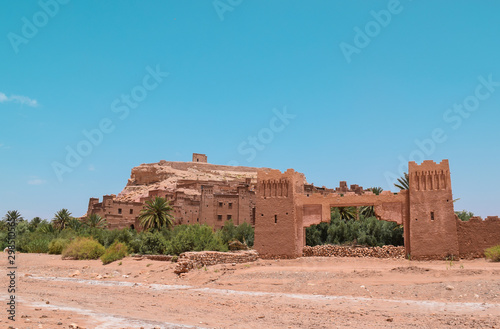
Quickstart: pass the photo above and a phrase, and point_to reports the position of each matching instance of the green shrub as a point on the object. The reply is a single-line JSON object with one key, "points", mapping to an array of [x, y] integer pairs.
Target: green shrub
{"points": [[56, 246], [3, 240], [114, 252], [493, 253], [243, 233], [83, 248], [33, 242], [366, 231], [38, 245], [194, 238]]}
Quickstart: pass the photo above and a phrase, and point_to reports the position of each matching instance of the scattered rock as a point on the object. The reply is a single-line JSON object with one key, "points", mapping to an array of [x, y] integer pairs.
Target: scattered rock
{"points": [[449, 288], [389, 319], [47, 302], [191, 260], [75, 273]]}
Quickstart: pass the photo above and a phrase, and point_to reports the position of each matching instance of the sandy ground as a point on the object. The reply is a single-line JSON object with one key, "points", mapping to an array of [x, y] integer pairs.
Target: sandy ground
{"points": [[311, 292]]}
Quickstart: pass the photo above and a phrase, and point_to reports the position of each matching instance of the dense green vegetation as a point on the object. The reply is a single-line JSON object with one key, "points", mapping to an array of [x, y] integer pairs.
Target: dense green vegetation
{"points": [[348, 230], [65, 233], [464, 215]]}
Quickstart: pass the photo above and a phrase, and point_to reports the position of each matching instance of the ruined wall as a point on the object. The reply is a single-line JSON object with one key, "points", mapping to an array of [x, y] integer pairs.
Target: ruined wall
{"points": [[198, 259], [197, 157], [476, 235], [432, 224], [316, 208]]}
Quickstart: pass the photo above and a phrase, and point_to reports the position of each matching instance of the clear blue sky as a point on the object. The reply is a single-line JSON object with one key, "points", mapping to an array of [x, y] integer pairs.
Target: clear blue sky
{"points": [[361, 87]]}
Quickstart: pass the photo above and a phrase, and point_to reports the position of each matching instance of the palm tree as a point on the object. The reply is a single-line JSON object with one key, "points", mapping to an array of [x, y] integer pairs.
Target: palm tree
{"points": [[13, 216], [95, 221], [376, 190], [156, 214], [367, 211], [404, 182], [61, 219], [46, 228], [347, 213], [74, 224]]}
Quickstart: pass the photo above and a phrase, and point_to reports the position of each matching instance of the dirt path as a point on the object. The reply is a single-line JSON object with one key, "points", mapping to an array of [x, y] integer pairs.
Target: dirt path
{"points": [[301, 293]]}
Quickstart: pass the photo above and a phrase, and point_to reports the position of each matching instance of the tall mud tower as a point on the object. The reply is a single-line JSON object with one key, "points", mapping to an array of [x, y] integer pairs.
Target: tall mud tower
{"points": [[432, 224], [277, 230]]}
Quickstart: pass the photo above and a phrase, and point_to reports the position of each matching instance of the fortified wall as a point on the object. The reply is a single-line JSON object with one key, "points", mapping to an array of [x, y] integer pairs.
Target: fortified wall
{"points": [[431, 229], [281, 206]]}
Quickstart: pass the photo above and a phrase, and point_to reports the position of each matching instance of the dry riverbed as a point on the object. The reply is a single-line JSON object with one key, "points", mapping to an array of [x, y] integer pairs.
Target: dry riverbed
{"points": [[312, 292]]}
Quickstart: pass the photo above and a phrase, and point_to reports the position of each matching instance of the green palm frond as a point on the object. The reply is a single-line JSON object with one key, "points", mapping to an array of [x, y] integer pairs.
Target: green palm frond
{"points": [[156, 214], [95, 221], [61, 219], [404, 182]]}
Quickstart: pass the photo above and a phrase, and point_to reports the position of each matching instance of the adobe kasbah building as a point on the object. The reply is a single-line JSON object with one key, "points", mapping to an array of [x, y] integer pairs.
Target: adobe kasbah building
{"points": [[280, 205]]}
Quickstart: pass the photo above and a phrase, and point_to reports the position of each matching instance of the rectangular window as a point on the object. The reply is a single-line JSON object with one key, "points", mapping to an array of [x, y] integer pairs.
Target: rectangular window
{"points": [[275, 219], [219, 217], [131, 211], [228, 217], [230, 205], [220, 204], [119, 210], [432, 215]]}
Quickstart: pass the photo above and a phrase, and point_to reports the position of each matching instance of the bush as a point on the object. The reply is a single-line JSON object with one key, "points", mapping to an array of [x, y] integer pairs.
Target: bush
{"points": [[115, 252], [493, 253], [56, 246], [194, 238], [366, 231], [83, 248], [243, 233], [38, 245]]}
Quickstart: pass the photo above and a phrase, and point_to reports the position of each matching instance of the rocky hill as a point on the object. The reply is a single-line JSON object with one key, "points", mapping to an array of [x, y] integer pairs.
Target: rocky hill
{"points": [[168, 174]]}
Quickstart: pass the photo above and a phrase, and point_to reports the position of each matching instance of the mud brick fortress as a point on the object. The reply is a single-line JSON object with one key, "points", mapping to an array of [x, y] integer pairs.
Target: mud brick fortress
{"points": [[281, 205]]}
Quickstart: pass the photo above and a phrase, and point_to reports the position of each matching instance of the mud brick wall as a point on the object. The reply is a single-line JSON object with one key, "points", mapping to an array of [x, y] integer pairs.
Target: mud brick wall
{"points": [[348, 251], [476, 235]]}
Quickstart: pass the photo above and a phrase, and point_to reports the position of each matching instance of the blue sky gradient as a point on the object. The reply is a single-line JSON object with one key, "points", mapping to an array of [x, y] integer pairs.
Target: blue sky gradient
{"points": [[232, 65]]}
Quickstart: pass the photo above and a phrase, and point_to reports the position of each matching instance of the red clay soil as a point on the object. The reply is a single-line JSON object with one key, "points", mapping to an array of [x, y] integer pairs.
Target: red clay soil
{"points": [[313, 292]]}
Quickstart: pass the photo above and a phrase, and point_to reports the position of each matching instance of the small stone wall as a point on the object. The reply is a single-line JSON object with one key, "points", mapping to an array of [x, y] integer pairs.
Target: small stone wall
{"points": [[192, 259], [348, 251]]}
